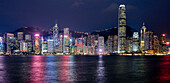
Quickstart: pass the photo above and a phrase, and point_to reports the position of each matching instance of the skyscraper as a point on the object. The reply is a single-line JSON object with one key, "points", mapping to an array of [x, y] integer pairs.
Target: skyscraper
{"points": [[122, 29], [129, 44], [55, 39], [23, 46], [50, 46], [156, 44], [148, 38], [7, 37], [142, 36], [66, 41], [163, 45], [37, 44], [115, 42], [135, 41], [110, 44], [79, 43], [20, 35], [101, 49]]}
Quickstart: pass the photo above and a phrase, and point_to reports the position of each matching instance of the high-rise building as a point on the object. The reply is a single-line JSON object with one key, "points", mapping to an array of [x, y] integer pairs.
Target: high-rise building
{"points": [[129, 44], [148, 38], [23, 46], [142, 36], [37, 44], [1, 46], [66, 41], [101, 47], [30, 46], [50, 46], [61, 38], [79, 43], [55, 38], [7, 37], [27, 37], [110, 44], [20, 36], [163, 46], [94, 44], [156, 44], [44, 47], [163, 39], [135, 41], [11, 45], [115, 42], [122, 29]]}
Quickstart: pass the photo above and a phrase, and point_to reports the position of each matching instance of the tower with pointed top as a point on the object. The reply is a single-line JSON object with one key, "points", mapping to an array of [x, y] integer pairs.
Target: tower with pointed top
{"points": [[121, 29], [142, 36], [55, 38]]}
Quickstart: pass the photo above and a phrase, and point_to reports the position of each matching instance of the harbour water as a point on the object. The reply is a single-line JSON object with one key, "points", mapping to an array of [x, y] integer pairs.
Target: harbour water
{"points": [[96, 69]]}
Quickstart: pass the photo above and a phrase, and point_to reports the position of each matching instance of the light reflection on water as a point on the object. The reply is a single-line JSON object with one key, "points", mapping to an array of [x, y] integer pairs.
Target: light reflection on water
{"points": [[100, 71], [2, 70], [164, 75], [37, 69], [66, 69]]}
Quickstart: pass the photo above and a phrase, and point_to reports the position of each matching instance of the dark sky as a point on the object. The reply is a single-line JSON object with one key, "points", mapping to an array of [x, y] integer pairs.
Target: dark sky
{"points": [[84, 15]]}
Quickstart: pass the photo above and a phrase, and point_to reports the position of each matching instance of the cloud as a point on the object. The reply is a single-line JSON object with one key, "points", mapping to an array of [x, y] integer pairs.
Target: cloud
{"points": [[110, 8], [77, 3]]}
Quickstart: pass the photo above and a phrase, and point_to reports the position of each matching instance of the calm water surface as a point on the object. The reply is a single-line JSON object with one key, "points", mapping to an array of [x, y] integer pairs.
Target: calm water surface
{"points": [[71, 69]]}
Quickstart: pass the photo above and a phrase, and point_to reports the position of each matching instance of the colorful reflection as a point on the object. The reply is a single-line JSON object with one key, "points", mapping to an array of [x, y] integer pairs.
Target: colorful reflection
{"points": [[3, 72], [51, 69], [66, 69], [100, 71], [37, 69], [164, 76]]}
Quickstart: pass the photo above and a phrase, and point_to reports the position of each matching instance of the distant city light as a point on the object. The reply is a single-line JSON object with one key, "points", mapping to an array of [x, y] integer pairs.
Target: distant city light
{"points": [[167, 43], [163, 35], [100, 50], [37, 35], [71, 40], [61, 35], [65, 36]]}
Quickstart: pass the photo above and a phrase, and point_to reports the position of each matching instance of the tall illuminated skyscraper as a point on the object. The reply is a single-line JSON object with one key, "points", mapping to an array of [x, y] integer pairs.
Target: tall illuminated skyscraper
{"points": [[37, 44], [50, 45], [55, 38], [142, 36], [148, 38], [163, 45], [135, 41], [79, 43], [156, 44], [110, 44], [115, 42], [101, 49], [66, 41], [122, 29], [8, 36]]}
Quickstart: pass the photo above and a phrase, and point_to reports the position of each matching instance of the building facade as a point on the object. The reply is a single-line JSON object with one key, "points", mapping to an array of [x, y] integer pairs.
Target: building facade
{"points": [[122, 29]]}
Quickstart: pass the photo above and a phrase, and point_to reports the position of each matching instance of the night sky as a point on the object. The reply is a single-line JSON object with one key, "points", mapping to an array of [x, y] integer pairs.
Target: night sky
{"points": [[84, 15]]}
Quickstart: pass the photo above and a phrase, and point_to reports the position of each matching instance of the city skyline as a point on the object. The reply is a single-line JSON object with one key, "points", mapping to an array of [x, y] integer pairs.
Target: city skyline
{"points": [[53, 41], [82, 15]]}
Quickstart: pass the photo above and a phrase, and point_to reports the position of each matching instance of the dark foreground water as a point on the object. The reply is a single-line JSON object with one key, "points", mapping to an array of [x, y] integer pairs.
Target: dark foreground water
{"points": [[66, 69]]}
